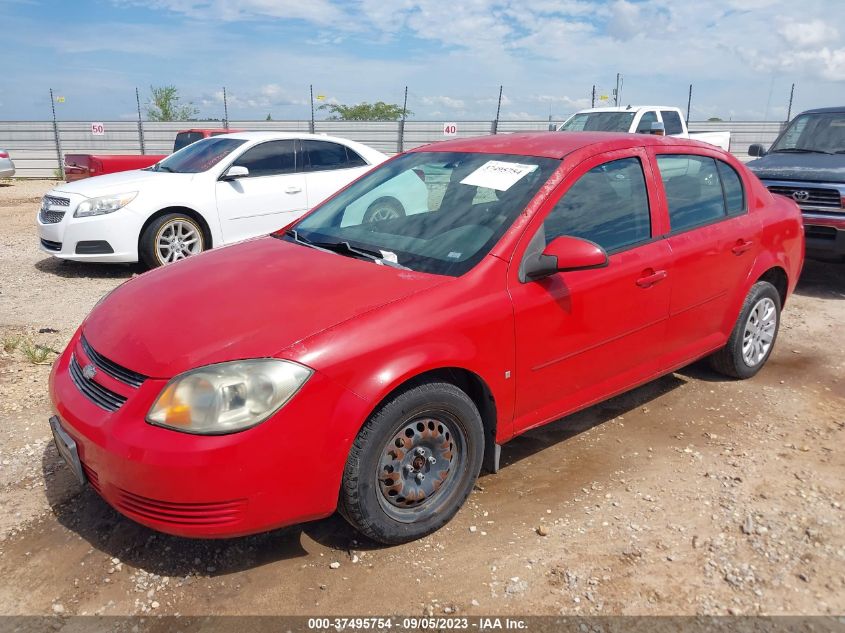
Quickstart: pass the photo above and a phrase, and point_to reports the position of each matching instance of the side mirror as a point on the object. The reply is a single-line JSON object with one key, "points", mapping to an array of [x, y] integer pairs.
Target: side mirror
{"points": [[234, 172], [756, 150], [658, 128], [564, 254]]}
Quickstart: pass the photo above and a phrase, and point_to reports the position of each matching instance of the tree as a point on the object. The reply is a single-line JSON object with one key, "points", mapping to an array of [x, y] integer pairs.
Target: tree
{"points": [[714, 119], [269, 118], [378, 111], [165, 105]]}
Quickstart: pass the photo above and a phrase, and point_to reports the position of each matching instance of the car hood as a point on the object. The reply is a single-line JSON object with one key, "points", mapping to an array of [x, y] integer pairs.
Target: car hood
{"points": [[250, 300], [120, 182], [797, 166]]}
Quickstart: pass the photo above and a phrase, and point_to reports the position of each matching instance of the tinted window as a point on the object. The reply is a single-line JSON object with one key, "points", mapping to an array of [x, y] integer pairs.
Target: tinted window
{"points": [[322, 155], [732, 184], [820, 132], [599, 122], [608, 205], [269, 159], [672, 122], [693, 191], [647, 119], [353, 159], [183, 139]]}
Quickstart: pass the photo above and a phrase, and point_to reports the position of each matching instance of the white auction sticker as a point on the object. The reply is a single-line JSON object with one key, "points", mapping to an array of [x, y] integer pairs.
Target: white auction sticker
{"points": [[498, 175]]}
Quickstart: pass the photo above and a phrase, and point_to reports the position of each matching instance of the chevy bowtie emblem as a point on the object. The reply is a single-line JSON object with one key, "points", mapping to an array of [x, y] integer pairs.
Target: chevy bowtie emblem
{"points": [[89, 371], [800, 196]]}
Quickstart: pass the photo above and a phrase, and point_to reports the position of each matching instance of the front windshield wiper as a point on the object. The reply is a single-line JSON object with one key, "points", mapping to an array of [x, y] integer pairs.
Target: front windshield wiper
{"points": [[799, 149], [166, 168], [344, 248]]}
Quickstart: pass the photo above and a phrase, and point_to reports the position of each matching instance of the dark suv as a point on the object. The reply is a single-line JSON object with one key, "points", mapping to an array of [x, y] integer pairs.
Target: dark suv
{"points": [[807, 164]]}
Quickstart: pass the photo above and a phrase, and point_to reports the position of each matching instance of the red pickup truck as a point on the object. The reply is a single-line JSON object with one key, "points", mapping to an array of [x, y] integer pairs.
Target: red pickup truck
{"points": [[79, 166]]}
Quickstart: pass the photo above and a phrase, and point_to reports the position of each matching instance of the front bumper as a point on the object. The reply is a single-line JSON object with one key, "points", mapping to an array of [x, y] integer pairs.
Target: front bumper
{"points": [[90, 239], [286, 470], [825, 235]]}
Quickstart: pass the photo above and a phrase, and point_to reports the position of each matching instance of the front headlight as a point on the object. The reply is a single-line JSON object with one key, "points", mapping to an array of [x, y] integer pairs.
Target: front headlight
{"points": [[227, 397], [103, 204]]}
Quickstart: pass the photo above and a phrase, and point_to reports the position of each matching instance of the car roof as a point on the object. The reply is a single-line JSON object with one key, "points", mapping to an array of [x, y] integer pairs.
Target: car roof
{"points": [[369, 153], [824, 110], [554, 144], [628, 108]]}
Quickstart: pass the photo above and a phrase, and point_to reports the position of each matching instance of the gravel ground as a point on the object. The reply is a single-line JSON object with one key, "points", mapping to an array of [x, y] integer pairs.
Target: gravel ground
{"points": [[690, 495]]}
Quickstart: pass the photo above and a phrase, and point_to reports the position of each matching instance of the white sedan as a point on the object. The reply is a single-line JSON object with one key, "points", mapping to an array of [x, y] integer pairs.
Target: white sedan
{"points": [[214, 192]]}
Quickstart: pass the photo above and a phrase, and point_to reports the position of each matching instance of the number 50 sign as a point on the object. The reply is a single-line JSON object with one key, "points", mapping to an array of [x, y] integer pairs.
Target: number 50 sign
{"points": [[98, 129], [450, 129]]}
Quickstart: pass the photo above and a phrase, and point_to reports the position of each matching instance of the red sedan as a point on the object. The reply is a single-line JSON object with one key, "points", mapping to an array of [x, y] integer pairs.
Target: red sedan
{"points": [[374, 367]]}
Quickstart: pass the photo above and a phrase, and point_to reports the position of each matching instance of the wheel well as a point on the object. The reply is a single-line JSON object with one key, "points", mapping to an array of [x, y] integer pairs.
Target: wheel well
{"points": [[474, 386], [777, 277], [206, 231]]}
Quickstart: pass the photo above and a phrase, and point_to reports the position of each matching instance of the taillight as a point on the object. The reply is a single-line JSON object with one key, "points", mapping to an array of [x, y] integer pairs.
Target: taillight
{"points": [[4, 154], [420, 174]]}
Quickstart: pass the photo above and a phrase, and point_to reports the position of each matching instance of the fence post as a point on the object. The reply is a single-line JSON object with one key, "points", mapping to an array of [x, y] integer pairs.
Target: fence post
{"points": [[311, 127], [789, 110], [400, 143], [225, 110], [56, 136], [689, 102], [495, 126], [140, 123]]}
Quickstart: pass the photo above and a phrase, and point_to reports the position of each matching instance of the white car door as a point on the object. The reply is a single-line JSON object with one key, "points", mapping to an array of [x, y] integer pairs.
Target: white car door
{"points": [[328, 167], [273, 194]]}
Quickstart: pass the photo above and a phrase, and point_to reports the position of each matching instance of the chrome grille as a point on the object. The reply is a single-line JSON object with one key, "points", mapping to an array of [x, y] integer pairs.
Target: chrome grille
{"points": [[53, 201], [50, 217], [126, 376], [95, 392], [811, 196]]}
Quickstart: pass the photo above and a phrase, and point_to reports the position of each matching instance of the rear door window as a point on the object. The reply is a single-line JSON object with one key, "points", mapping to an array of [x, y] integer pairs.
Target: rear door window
{"points": [[693, 190], [325, 155], [672, 122], [608, 205]]}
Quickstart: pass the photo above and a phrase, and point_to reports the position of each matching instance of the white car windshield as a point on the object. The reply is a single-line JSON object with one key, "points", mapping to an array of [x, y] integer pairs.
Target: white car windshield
{"points": [[599, 122], [456, 206], [199, 156]]}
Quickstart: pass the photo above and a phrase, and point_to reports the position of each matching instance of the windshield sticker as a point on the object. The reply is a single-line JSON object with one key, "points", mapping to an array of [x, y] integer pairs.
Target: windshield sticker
{"points": [[498, 175], [454, 255]]}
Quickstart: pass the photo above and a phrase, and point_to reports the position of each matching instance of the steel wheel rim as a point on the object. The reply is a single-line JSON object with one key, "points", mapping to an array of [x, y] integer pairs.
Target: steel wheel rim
{"points": [[419, 466], [759, 333], [177, 240], [383, 213]]}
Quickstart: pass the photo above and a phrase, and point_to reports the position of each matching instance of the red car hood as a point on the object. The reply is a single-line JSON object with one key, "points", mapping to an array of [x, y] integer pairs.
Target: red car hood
{"points": [[246, 301]]}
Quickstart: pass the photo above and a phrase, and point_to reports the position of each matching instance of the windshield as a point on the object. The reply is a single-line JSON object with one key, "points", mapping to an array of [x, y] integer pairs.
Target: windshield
{"points": [[822, 132], [199, 156], [436, 212], [599, 122]]}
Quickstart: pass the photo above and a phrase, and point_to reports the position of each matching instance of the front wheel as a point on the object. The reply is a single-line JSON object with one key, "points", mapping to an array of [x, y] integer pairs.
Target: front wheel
{"points": [[171, 237], [413, 464], [753, 337]]}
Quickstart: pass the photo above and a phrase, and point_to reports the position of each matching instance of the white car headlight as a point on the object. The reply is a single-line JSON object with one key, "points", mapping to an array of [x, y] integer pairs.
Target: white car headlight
{"points": [[103, 204], [227, 397]]}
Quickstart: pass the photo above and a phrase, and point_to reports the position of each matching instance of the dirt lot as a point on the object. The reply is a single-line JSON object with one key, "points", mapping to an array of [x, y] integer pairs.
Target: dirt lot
{"points": [[690, 495]]}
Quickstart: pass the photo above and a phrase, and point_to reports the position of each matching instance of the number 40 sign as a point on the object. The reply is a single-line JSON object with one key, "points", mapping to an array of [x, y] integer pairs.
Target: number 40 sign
{"points": [[98, 129], [450, 129]]}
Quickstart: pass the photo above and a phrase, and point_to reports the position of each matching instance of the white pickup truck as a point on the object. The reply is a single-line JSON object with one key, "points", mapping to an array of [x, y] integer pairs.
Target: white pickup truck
{"points": [[641, 120]]}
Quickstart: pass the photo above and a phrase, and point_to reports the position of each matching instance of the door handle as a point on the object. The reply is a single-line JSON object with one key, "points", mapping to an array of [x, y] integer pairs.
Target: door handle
{"points": [[651, 277], [742, 246], [293, 189]]}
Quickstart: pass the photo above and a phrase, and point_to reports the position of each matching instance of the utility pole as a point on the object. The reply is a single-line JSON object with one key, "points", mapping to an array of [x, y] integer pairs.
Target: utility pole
{"points": [[789, 110], [618, 86], [140, 122], [311, 88], [56, 135], [498, 110], [689, 102], [593, 101], [401, 143]]}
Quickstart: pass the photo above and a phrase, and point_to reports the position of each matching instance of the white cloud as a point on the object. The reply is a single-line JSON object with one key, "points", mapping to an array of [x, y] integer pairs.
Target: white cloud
{"points": [[807, 34], [445, 102]]}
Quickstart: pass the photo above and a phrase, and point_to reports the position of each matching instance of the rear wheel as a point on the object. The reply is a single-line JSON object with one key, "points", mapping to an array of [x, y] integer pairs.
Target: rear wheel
{"points": [[413, 464], [384, 209], [171, 237], [753, 337]]}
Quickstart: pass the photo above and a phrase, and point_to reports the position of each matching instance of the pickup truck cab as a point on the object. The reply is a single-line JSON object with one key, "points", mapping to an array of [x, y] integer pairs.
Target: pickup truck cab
{"points": [[807, 164], [79, 166], [661, 120]]}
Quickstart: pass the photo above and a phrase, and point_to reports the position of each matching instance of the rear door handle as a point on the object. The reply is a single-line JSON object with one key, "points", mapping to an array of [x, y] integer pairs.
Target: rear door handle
{"points": [[651, 277], [293, 190], [742, 246]]}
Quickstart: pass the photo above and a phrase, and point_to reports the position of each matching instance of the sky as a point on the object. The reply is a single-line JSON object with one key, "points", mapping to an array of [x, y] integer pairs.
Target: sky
{"points": [[741, 56]]}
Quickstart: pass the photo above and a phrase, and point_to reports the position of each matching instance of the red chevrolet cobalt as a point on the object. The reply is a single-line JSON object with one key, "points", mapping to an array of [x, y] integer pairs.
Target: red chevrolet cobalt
{"points": [[373, 365]]}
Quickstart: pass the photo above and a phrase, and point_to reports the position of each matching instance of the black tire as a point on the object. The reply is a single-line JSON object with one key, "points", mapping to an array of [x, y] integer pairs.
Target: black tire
{"points": [[730, 360], [384, 209], [371, 495], [148, 249]]}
